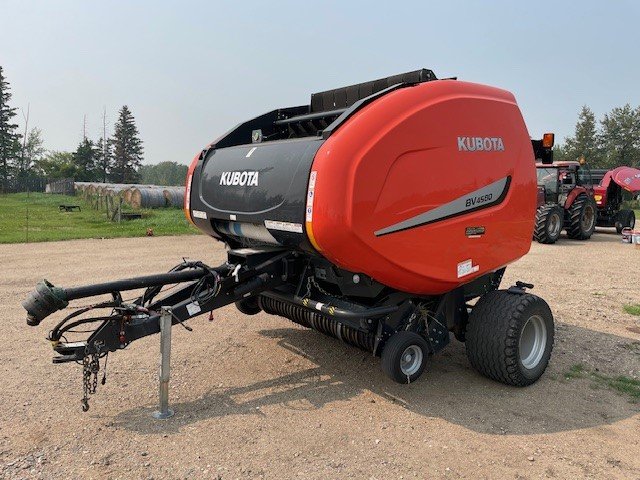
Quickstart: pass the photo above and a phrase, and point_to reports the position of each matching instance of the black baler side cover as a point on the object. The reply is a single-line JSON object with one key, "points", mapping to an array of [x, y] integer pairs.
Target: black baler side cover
{"points": [[278, 193]]}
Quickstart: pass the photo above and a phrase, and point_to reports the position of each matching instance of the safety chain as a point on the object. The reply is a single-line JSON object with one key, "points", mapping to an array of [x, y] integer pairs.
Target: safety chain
{"points": [[312, 281], [90, 369]]}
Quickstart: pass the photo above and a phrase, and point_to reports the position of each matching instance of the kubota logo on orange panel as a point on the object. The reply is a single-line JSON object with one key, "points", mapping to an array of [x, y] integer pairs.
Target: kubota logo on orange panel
{"points": [[480, 144]]}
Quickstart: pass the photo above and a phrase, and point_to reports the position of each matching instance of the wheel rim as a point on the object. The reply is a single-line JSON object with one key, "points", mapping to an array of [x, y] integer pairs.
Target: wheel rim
{"points": [[554, 225], [587, 218], [533, 342], [411, 360]]}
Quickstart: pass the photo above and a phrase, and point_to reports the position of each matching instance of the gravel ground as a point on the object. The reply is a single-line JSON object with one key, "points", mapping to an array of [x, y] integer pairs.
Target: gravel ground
{"points": [[260, 397]]}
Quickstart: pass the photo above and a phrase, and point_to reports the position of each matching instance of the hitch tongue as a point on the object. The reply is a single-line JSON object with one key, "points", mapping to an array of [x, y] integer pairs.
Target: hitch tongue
{"points": [[43, 301]]}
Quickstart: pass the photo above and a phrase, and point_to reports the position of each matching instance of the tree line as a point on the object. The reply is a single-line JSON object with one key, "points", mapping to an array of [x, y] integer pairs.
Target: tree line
{"points": [[116, 159], [611, 142]]}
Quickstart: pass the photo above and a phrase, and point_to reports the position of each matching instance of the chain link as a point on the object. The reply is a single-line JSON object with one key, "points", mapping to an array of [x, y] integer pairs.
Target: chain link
{"points": [[90, 369], [312, 281]]}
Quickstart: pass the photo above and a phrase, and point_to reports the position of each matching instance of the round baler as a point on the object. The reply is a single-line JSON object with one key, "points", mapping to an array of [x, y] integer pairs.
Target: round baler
{"points": [[416, 197], [382, 214]]}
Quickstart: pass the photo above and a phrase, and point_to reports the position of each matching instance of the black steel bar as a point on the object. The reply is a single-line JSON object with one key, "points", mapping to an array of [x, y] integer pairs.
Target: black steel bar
{"points": [[310, 116], [75, 293]]}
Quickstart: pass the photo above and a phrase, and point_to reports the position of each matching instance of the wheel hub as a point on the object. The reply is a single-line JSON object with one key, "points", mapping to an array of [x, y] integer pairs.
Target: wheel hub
{"points": [[533, 342], [588, 217], [554, 225], [411, 360]]}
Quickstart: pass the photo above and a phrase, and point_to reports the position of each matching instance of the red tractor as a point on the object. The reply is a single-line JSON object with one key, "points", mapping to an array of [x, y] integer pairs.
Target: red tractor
{"points": [[565, 201], [608, 197]]}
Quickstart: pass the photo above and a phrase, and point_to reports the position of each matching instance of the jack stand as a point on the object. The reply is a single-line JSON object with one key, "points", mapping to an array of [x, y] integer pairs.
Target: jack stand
{"points": [[165, 355]]}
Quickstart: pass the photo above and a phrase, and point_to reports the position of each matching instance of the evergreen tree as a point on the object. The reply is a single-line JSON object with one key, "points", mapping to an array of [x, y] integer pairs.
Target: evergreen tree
{"points": [[85, 159], [9, 137], [584, 142], [104, 159], [620, 137], [127, 148]]}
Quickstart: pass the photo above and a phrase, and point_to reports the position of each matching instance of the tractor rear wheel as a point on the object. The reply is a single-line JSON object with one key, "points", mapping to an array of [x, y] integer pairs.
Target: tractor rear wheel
{"points": [[549, 222], [404, 356], [582, 218], [624, 219], [510, 337]]}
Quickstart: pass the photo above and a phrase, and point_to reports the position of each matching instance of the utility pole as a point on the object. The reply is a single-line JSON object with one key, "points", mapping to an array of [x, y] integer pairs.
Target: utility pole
{"points": [[84, 128], [24, 137]]}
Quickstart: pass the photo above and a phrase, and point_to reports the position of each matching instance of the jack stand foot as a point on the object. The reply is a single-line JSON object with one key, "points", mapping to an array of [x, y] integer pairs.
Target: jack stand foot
{"points": [[162, 415]]}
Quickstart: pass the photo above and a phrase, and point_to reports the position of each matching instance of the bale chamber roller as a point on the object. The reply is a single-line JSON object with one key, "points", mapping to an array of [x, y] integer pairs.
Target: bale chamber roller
{"points": [[376, 214]]}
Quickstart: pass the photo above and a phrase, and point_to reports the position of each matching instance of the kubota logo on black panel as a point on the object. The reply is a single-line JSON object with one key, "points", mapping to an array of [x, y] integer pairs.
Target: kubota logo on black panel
{"points": [[243, 178], [480, 144]]}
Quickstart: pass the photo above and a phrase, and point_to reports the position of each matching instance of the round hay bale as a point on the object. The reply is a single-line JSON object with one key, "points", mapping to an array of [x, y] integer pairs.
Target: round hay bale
{"points": [[116, 188], [100, 188], [147, 198], [174, 196], [126, 194]]}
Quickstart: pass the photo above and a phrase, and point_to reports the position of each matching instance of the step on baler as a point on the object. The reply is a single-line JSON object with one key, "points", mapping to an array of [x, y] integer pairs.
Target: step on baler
{"points": [[382, 214]]}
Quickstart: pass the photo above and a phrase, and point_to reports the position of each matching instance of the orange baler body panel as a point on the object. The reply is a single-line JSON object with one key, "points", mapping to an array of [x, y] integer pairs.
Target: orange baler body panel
{"points": [[388, 186]]}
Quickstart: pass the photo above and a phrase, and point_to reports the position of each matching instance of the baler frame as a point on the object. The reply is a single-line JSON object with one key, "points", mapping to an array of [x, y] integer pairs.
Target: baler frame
{"points": [[278, 281]]}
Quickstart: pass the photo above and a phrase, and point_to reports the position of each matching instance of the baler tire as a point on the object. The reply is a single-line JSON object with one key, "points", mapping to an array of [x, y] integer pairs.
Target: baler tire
{"points": [[549, 222], [397, 348], [249, 306], [581, 206], [624, 219], [495, 337]]}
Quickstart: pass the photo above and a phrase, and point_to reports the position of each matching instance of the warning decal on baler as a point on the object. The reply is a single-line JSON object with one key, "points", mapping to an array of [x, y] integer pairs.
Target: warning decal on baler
{"points": [[310, 193], [467, 268]]}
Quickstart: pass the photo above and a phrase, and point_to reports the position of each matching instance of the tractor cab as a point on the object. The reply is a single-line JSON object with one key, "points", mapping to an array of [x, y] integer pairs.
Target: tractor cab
{"points": [[557, 180]]}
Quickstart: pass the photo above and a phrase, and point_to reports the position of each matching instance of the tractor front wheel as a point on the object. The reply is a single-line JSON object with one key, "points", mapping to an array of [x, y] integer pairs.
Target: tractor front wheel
{"points": [[510, 337], [582, 218], [549, 221], [625, 219]]}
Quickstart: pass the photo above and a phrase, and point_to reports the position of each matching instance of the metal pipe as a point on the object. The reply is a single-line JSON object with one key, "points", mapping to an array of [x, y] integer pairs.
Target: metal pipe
{"points": [[75, 293], [329, 310], [165, 364]]}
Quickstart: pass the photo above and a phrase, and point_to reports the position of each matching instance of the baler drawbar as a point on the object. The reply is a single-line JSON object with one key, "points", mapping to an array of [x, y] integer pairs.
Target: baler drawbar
{"points": [[382, 214]]}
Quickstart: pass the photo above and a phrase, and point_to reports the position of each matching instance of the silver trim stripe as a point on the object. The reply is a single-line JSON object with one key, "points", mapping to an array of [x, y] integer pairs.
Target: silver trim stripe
{"points": [[481, 198]]}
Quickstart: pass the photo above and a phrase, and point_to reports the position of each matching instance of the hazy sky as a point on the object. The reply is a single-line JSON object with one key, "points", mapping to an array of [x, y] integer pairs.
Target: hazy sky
{"points": [[189, 71]]}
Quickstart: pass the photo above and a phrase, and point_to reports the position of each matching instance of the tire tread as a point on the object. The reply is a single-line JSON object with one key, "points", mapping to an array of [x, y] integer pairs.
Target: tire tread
{"points": [[493, 336]]}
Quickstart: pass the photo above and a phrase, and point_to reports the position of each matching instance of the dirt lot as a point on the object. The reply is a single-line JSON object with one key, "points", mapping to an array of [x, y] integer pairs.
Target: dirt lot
{"points": [[260, 397]]}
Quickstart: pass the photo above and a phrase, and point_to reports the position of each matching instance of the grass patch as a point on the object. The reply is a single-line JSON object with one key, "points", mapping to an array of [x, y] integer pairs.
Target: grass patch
{"points": [[619, 383], [576, 371], [36, 217], [632, 309]]}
